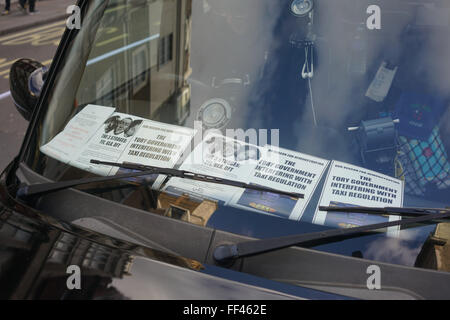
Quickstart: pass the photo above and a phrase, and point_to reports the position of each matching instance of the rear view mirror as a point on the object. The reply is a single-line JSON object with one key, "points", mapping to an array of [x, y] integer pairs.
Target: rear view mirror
{"points": [[26, 79]]}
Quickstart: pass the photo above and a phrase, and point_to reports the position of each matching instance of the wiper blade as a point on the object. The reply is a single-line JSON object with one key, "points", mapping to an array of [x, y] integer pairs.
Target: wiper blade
{"points": [[227, 253], [44, 188], [395, 211], [197, 177]]}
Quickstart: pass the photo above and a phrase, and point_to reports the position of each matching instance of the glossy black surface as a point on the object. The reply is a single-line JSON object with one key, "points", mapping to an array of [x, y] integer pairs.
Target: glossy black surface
{"points": [[19, 77], [289, 271], [37, 250]]}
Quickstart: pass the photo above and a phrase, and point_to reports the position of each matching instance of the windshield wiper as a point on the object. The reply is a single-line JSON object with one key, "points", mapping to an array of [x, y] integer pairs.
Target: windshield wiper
{"points": [[396, 211], [43, 188], [198, 177], [227, 253]]}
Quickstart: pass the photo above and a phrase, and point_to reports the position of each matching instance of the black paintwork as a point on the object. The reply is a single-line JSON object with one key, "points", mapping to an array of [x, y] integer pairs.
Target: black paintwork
{"points": [[36, 250]]}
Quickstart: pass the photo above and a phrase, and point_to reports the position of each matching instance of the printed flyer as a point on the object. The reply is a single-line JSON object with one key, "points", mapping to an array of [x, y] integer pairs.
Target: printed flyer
{"points": [[77, 132], [285, 170], [108, 144], [158, 144], [99, 133], [349, 185], [221, 157], [268, 166]]}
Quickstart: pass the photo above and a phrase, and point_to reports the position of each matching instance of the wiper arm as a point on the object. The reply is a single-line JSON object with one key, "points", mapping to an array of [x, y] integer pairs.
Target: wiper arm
{"points": [[44, 188], [227, 253]]}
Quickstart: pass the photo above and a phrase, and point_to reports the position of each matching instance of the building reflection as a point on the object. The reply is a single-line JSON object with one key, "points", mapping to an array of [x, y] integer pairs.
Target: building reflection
{"points": [[147, 75], [34, 257]]}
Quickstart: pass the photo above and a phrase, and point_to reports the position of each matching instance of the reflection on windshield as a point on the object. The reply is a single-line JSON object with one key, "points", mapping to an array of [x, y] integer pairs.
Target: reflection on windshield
{"points": [[355, 115]]}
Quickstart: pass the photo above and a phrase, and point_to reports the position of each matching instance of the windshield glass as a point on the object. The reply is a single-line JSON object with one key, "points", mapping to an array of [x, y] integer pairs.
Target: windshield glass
{"points": [[343, 101]]}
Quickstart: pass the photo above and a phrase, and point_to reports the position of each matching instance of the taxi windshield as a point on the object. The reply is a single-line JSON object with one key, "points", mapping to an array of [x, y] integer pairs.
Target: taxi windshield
{"points": [[344, 102]]}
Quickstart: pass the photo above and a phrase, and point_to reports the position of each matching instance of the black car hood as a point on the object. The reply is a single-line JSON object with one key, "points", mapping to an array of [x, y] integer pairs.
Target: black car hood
{"points": [[37, 252]]}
